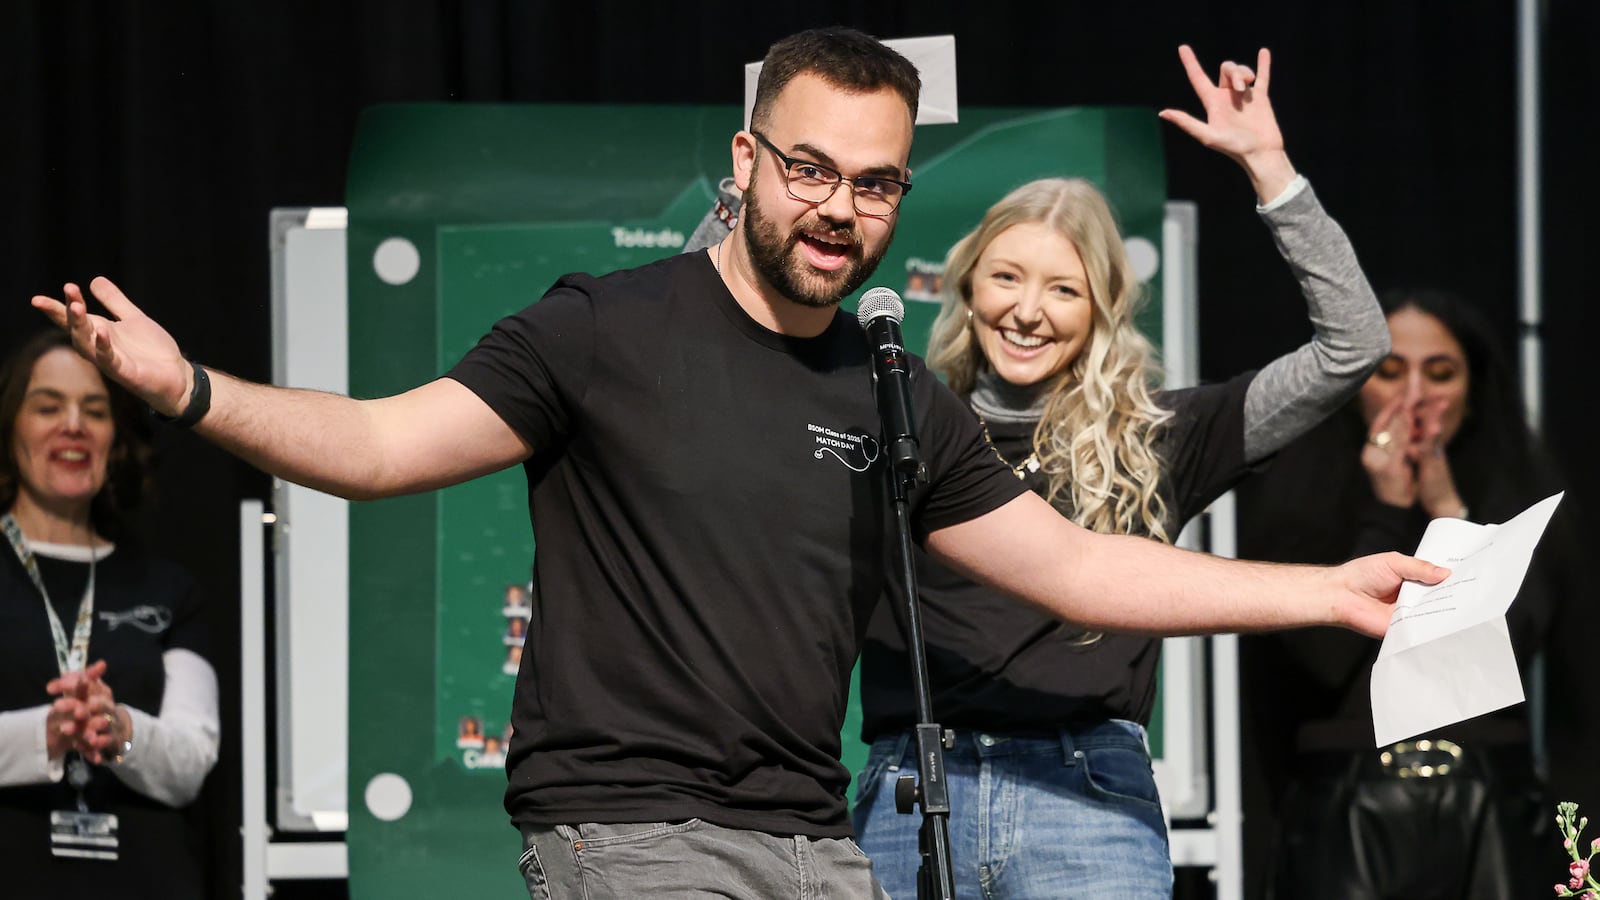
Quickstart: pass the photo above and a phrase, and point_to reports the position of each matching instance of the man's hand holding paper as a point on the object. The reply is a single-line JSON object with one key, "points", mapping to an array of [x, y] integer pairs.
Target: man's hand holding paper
{"points": [[1448, 656]]}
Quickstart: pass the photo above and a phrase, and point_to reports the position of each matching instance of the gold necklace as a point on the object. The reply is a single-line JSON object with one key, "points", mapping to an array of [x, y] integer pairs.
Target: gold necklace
{"points": [[1025, 468], [1022, 469]]}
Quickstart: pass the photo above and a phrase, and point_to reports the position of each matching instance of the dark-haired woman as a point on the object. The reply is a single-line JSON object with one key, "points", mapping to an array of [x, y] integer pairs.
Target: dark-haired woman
{"points": [[108, 705], [1437, 431]]}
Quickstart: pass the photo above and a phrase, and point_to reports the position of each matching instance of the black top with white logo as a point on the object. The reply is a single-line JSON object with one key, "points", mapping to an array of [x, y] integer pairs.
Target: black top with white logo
{"points": [[143, 607], [711, 527], [994, 664]]}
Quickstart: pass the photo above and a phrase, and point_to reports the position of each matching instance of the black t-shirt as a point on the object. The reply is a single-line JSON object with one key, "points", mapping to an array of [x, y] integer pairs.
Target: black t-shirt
{"points": [[710, 516], [996, 665], [143, 608]]}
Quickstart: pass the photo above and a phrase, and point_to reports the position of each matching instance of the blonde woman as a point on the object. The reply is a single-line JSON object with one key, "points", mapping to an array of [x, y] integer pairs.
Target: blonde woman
{"points": [[1051, 787]]}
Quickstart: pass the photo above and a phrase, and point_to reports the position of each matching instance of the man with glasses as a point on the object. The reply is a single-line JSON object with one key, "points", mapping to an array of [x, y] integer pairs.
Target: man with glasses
{"points": [[700, 440]]}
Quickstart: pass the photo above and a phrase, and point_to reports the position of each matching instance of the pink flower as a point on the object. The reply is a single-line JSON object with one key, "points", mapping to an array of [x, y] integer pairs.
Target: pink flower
{"points": [[1594, 846], [1575, 883], [1578, 869], [1589, 895]]}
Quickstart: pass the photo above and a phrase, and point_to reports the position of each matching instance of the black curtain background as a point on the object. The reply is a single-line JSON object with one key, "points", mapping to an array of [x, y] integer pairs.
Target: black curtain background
{"points": [[147, 142]]}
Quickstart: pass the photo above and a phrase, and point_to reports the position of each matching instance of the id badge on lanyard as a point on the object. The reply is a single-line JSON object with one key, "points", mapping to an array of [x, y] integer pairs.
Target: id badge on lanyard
{"points": [[76, 833]]}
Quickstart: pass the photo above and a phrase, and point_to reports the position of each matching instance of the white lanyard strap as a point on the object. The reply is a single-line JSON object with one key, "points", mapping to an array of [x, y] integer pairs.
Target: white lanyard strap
{"points": [[68, 659]]}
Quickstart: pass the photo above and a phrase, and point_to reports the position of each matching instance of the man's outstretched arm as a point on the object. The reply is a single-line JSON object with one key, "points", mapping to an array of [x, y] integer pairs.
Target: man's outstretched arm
{"points": [[1135, 585], [431, 436]]}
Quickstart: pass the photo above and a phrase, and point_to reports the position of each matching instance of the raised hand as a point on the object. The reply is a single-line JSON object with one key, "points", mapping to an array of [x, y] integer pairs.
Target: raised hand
{"points": [[1239, 120], [70, 712], [107, 726], [127, 345], [62, 725], [1387, 454], [1436, 486], [85, 716]]}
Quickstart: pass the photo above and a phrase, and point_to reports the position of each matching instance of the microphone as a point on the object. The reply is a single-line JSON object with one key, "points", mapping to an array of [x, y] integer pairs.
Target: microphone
{"points": [[880, 312]]}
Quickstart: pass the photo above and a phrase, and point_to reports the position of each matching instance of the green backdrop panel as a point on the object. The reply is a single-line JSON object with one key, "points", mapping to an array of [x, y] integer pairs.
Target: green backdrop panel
{"points": [[470, 213]]}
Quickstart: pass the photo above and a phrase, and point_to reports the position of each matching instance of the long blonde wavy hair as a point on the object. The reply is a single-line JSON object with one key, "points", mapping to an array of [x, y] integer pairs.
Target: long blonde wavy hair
{"points": [[1096, 439]]}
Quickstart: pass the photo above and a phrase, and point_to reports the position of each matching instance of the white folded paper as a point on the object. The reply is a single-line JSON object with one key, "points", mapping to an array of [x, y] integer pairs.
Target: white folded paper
{"points": [[1447, 656]]}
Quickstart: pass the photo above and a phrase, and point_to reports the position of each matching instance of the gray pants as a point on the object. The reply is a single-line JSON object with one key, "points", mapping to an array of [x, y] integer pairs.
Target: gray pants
{"points": [[690, 859]]}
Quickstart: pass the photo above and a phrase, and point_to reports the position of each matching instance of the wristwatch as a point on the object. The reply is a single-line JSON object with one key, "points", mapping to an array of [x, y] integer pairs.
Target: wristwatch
{"points": [[122, 747]]}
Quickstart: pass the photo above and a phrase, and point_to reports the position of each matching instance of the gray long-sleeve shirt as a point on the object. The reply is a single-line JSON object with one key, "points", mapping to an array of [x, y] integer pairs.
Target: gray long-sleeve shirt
{"points": [[1296, 391]]}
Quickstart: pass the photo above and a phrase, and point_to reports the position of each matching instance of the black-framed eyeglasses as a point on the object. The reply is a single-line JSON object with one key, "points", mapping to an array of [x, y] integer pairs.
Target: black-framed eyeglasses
{"points": [[813, 182]]}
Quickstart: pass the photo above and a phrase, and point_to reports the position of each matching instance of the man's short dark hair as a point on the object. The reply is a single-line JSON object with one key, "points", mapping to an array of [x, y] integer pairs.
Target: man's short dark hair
{"points": [[843, 57]]}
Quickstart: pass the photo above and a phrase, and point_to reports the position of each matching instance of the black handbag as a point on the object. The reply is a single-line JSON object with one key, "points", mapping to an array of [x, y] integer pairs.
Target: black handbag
{"points": [[1417, 820]]}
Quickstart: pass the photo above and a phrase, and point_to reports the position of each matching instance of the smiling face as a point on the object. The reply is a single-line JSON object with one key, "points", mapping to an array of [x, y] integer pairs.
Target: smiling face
{"points": [[1031, 303], [816, 253], [1427, 366], [62, 436]]}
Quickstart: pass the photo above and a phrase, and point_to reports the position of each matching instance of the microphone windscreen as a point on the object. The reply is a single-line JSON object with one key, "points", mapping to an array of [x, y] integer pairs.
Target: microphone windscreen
{"points": [[880, 301]]}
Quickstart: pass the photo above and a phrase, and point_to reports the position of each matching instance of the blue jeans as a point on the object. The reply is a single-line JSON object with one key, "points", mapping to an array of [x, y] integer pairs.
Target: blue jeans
{"points": [[1075, 815]]}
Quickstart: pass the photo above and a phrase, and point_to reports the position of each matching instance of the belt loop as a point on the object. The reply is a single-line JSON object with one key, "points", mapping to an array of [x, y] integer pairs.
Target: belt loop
{"points": [[1069, 756], [900, 745]]}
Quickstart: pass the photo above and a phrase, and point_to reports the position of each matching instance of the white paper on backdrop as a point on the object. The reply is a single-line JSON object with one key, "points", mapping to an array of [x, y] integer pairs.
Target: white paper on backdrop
{"points": [[1447, 656], [935, 59]]}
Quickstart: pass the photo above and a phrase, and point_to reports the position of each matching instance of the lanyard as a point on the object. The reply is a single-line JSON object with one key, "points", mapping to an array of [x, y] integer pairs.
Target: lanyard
{"points": [[68, 659]]}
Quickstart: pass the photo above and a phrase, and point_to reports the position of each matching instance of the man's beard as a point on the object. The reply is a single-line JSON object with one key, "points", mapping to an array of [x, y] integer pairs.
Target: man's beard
{"points": [[777, 262]]}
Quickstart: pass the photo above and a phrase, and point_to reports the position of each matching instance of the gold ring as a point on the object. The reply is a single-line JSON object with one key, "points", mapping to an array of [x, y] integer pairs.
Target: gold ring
{"points": [[1381, 440]]}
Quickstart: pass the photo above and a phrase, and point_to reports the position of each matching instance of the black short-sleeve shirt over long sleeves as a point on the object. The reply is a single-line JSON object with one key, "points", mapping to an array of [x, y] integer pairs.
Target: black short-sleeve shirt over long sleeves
{"points": [[996, 665], [710, 520], [144, 609]]}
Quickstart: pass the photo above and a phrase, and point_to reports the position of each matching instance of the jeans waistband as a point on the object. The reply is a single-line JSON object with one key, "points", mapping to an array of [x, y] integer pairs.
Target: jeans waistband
{"points": [[1066, 740]]}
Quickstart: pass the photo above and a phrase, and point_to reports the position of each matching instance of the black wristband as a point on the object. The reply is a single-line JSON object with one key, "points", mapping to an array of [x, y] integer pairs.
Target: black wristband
{"points": [[199, 401]]}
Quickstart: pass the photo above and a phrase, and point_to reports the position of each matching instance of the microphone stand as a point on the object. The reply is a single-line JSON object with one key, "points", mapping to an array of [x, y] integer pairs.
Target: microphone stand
{"points": [[936, 876], [880, 311]]}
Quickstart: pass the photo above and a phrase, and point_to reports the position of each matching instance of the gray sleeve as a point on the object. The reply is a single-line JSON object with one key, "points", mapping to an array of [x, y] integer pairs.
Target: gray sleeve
{"points": [[1296, 391]]}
